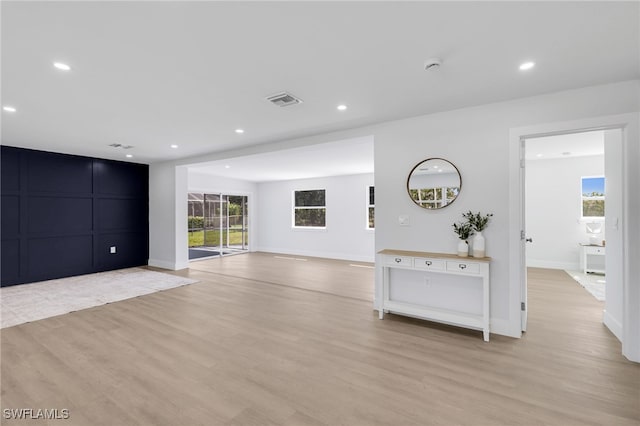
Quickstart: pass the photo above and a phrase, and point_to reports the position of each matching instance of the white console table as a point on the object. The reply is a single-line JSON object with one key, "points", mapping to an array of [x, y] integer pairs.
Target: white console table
{"points": [[440, 263], [587, 251]]}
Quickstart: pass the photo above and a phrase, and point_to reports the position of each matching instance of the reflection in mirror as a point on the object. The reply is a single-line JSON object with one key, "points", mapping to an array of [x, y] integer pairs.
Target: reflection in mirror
{"points": [[434, 183]]}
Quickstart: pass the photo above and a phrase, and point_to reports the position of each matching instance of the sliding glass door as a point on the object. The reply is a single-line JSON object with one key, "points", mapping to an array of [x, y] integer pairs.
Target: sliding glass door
{"points": [[212, 217], [236, 229], [218, 224]]}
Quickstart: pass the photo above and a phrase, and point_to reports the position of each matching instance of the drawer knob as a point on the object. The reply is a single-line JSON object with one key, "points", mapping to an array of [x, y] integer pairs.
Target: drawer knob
{"points": [[462, 266], [398, 260], [428, 263]]}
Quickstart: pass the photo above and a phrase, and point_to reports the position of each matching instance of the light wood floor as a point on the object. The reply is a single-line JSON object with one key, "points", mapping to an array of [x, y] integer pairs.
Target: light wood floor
{"points": [[267, 341]]}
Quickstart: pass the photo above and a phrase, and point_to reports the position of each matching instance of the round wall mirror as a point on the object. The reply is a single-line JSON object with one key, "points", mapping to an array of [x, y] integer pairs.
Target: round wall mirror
{"points": [[434, 183]]}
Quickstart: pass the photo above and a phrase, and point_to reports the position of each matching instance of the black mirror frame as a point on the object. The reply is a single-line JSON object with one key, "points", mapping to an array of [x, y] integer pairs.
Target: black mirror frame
{"points": [[423, 161]]}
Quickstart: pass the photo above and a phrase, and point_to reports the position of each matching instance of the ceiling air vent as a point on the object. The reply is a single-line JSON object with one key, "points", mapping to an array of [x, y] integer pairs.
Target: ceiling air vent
{"points": [[119, 145], [283, 99]]}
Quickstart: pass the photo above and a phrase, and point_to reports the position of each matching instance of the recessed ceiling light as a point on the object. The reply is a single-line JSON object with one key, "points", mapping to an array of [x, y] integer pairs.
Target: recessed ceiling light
{"points": [[174, 146], [440, 171], [129, 156], [527, 65], [435, 167], [538, 155], [62, 66], [9, 108], [227, 166], [239, 131], [342, 107]]}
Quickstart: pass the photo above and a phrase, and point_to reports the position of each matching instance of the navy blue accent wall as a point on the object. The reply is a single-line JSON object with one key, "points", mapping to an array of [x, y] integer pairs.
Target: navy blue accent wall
{"points": [[61, 214]]}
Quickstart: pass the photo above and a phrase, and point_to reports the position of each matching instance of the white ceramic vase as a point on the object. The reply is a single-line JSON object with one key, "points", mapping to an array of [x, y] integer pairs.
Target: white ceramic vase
{"points": [[478, 244], [463, 248]]}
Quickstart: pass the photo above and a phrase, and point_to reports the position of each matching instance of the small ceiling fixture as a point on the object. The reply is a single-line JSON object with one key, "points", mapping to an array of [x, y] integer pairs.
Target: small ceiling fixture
{"points": [[227, 166], [239, 131], [9, 108], [342, 107], [432, 64], [62, 66], [174, 146], [566, 153], [527, 65], [129, 156], [283, 99], [538, 155]]}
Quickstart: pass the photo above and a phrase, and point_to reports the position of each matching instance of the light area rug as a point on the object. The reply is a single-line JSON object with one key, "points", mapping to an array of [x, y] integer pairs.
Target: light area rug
{"points": [[593, 283], [30, 302]]}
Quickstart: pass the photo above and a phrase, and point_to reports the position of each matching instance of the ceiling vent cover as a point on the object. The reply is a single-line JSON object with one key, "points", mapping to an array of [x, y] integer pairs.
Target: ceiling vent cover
{"points": [[119, 145], [284, 99]]}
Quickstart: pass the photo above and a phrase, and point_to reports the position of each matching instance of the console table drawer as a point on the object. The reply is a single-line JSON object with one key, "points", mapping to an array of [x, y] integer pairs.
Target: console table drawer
{"points": [[399, 261], [466, 267], [431, 264]]}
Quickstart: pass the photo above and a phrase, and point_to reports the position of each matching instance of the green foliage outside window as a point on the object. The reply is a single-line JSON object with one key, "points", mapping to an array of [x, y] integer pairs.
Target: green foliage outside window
{"points": [[593, 208], [310, 217], [309, 208]]}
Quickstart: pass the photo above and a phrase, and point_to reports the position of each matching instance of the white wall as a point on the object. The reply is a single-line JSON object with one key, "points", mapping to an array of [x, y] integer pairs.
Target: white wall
{"points": [[346, 235], [553, 189], [478, 141], [204, 182], [168, 238]]}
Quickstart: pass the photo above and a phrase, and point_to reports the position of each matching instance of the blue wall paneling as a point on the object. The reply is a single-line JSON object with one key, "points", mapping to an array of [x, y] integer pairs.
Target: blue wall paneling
{"points": [[61, 214]]}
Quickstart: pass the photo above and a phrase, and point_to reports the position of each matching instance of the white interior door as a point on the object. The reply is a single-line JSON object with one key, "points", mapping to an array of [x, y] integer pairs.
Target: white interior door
{"points": [[523, 237]]}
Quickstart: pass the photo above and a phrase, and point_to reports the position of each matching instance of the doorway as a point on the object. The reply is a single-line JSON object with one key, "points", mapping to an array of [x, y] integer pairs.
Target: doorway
{"points": [[565, 207], [217, 225], [587, 221]]}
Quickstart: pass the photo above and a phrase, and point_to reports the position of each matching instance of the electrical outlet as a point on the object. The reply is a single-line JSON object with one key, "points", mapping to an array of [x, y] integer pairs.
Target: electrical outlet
{"points": [[427, 282], [112, 249], [403, 220]]}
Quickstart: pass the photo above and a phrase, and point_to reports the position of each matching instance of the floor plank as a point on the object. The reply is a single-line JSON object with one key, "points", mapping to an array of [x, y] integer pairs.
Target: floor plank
{"points": [[261, 340]]}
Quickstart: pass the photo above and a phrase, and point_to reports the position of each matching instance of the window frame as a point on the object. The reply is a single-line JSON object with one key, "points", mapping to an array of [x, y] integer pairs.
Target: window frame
{"points": [[294, 208], [369, 206]]}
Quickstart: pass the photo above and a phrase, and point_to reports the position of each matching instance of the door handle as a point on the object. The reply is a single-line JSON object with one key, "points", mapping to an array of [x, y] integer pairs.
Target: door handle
{"points": [[529, 240]]}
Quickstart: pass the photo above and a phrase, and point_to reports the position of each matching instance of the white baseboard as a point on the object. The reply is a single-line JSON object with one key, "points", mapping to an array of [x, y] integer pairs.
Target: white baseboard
{"points": [[550, 264], [612, 324], [326, 255], [173, 266]]}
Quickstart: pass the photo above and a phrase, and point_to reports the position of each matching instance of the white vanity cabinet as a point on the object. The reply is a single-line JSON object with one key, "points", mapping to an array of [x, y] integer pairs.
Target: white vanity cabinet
{"points": [[471, 270], [592, 252]]}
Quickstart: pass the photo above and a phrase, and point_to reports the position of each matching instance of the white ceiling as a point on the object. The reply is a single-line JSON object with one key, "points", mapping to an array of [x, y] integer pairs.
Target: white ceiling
{"points": [[346, 157], [565, 146], [152, 74]]}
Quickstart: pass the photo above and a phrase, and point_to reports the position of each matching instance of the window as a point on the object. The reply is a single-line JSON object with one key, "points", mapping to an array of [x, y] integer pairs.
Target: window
{"points": [[309, 209], [434, 198], [371, 208], [592, 199]]}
